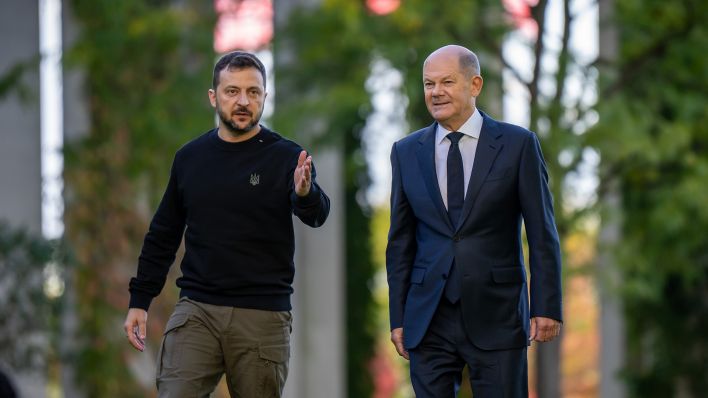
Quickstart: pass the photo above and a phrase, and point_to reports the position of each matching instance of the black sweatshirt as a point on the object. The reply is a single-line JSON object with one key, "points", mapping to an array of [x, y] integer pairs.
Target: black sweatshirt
{"points": [[236, 201]]}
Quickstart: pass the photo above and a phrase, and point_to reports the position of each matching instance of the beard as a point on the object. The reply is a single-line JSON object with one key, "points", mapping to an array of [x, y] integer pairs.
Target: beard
{"points": [[232, 127]]}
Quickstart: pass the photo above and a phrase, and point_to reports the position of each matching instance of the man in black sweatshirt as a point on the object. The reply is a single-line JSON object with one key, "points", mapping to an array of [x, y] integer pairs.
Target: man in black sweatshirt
{"points": [[231, 194]]}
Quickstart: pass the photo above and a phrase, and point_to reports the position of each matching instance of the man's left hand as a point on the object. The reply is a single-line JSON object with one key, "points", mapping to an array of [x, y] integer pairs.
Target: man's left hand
{"points": [[303, 174], [544, 329]]}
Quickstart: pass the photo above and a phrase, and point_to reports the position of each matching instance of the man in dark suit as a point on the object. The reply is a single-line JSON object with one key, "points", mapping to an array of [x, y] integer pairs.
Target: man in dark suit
{"points": [[456, 275]]}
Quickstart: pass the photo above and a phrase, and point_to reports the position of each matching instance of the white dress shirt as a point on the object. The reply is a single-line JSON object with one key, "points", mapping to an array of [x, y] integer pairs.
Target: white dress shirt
{"points": [[468, 146]]}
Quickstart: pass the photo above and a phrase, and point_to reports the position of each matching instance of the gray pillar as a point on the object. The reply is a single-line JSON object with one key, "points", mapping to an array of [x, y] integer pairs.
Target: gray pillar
{"points": [[612, 331], [548, 376], [20, 173], [20, 150]]}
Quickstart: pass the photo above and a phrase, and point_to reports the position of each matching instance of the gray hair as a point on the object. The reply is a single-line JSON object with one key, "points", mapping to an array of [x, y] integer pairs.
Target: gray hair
{"points": [[469, 64]]}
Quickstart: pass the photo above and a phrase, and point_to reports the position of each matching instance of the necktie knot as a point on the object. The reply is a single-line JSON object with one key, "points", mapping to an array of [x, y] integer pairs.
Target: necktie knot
{"points": [[455, 137]]}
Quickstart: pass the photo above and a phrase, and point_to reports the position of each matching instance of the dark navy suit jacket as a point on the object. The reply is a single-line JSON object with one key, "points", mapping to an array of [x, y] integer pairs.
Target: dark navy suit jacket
{"points": [[508, 183]]}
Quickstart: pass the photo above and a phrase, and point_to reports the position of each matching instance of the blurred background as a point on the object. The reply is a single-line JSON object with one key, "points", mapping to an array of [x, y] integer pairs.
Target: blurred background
{"points": [[97, 95]]}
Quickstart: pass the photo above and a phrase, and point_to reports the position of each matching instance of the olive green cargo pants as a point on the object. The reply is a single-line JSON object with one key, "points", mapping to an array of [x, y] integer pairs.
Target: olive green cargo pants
{"points": [[204, 341]]}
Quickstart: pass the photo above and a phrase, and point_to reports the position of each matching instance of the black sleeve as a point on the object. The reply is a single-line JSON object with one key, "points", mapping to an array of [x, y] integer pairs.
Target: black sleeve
{"points": [[159, 247]]}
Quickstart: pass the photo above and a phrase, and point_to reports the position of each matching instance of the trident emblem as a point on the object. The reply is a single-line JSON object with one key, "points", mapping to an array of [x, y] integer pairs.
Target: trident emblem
{"points": [[255, 179]]}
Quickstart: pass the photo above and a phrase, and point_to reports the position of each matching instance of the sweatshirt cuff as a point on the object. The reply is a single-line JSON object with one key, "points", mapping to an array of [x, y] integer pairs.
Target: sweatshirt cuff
{"points": [[311, 199], [140, 300]]}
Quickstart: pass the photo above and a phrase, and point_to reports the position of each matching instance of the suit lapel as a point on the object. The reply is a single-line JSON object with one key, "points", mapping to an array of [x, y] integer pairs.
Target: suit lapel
{"points": [[488, 148], [426, 161]]}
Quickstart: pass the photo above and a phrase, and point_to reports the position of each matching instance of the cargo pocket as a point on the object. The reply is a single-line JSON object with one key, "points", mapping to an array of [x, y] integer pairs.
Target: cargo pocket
{"points": [[285, 319], [274, 362], [168, 354]]}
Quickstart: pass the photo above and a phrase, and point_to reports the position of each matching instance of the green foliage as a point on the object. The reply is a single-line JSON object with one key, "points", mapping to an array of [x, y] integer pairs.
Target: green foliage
{"points": [[24, 309], [12, 80], [148, 67], [653, 139]]}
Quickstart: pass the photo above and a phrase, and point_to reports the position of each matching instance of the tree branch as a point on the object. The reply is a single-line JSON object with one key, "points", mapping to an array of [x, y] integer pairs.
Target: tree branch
{"points": [[563, 60], [538, 13]]}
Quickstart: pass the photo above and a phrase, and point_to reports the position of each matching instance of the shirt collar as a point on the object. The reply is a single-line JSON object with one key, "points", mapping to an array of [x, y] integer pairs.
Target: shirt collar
{"points": [[472, 127]]}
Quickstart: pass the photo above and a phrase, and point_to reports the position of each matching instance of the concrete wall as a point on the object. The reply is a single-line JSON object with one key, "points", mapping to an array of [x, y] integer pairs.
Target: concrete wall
{"points": [[20, 178], [20, 171]]}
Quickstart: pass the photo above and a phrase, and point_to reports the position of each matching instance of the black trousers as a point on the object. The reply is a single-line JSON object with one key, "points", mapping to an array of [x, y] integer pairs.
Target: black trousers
{"points": [[436, 364]]}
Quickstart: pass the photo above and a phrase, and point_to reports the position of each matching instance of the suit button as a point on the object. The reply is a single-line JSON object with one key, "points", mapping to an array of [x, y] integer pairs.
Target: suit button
{"points": [[456, 238], [444, 276]]}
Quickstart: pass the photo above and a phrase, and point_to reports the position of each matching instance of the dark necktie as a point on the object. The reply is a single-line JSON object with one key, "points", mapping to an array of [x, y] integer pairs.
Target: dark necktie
{"points": [[455, 200], [455, 179]]}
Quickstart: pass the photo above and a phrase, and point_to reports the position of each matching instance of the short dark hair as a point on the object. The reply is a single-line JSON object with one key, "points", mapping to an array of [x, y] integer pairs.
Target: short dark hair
{"points": [[237, 60]]}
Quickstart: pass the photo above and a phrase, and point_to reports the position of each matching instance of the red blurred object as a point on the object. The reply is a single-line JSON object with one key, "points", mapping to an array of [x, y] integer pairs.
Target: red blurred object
{"points": [[383, 7], [384, 374], [519, 12], [242, 25]]}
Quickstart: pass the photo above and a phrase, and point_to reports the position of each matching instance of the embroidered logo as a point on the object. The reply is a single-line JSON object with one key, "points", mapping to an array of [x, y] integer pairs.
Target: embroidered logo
{"points": [[255, 179]]}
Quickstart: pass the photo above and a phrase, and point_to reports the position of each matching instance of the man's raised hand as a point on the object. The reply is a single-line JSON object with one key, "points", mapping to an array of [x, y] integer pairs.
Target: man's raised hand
{"points": [[303, 174]]}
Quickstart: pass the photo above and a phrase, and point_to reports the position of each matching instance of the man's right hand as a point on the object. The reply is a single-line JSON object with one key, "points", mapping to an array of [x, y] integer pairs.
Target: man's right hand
{"points": [[135, 325], [397, 339]]}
